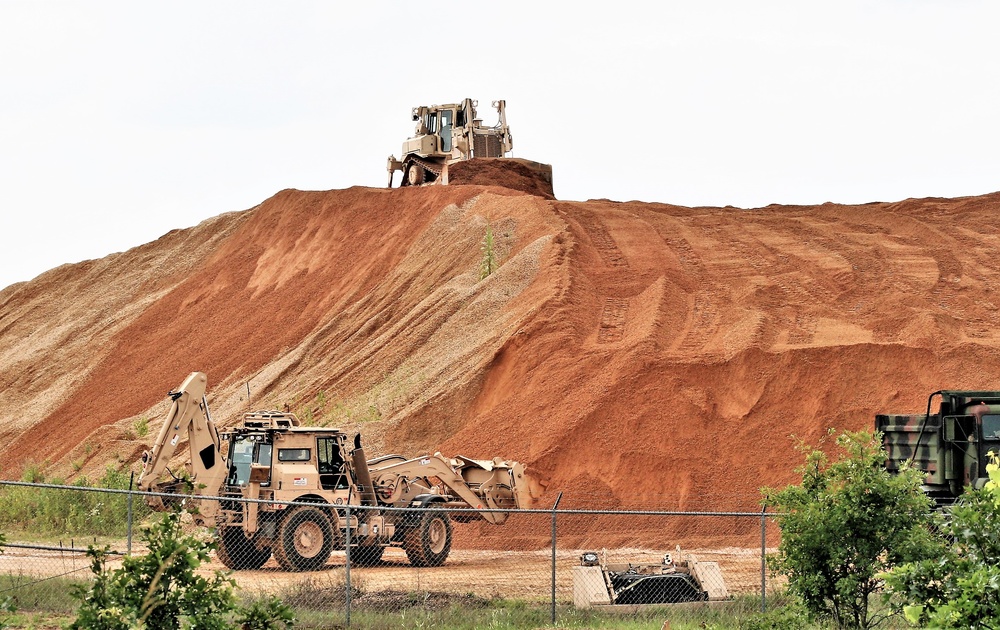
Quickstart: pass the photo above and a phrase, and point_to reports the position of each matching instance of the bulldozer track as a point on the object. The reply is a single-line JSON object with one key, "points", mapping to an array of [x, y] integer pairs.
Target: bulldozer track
{"points": [[433, 167], [606, 246], [613, 316]]}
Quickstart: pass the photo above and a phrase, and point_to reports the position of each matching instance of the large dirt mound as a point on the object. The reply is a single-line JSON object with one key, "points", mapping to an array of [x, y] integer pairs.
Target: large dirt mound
{"points": [[632, 354]]}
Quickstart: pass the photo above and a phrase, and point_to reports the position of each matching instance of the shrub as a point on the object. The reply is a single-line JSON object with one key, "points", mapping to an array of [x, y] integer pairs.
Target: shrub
{"points": [[269, 613], [488, 262], [162, 590], [960, 588], [846, 524], [157, 590]]}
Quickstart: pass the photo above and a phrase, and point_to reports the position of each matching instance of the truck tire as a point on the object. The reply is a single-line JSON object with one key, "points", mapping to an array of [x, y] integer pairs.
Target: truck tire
{"points": [[367, 556], [305, 539], [429, 542], [238, 553]]}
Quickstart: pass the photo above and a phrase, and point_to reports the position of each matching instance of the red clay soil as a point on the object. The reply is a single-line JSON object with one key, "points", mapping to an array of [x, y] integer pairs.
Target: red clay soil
{"points": [[631, 354], [500, 172]]}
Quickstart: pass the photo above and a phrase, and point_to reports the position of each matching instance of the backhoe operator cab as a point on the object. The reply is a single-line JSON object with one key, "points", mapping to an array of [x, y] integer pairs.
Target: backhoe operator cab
{"points": [[269, 460]]}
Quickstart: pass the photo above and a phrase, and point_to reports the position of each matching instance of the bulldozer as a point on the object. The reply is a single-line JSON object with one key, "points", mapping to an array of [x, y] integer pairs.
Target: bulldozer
{"points": [[447, 134], [270, 486]]}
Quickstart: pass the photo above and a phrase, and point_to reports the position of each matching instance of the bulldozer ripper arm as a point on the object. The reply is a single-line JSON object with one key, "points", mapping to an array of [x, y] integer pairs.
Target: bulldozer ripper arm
{"points": [[188, 419]]}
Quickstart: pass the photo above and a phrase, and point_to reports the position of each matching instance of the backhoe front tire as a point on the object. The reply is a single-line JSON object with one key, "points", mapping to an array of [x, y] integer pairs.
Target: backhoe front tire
{"points": [[429, 543], [305, 539], [238, 553]]}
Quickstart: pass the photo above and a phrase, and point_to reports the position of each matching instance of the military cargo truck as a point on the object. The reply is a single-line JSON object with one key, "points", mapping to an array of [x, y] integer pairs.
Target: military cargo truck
{"points": [[951, 446]]}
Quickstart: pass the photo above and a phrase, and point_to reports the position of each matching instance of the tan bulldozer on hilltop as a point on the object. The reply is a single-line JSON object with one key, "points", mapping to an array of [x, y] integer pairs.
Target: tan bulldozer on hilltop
{"points": [[453, 133]]}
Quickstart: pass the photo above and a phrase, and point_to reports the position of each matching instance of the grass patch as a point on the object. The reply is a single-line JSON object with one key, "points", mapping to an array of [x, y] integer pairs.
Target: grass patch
{"points": [[31, 593], [44, 512], [319, 602]]}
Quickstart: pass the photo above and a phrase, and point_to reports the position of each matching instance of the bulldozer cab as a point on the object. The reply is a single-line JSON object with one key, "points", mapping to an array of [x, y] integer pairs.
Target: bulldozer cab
{"points": [[436, 126]]}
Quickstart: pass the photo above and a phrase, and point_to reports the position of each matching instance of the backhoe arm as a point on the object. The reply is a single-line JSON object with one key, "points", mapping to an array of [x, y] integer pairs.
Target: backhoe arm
{"points": [[188, 418]]}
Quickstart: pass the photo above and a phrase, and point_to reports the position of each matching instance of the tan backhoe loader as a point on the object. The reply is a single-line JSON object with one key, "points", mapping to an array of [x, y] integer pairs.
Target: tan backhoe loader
{"points": [[271, 457]]}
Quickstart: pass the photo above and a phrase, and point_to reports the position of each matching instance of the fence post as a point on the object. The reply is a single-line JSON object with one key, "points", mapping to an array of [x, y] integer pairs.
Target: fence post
{"points": [[347, 562], [554, 508], [763, 559], [128, 525]]}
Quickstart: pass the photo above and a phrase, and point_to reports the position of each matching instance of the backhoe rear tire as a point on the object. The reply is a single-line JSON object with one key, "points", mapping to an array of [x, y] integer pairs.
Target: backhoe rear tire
{"points": [[238, 553], [305, 539], [429, 542]]}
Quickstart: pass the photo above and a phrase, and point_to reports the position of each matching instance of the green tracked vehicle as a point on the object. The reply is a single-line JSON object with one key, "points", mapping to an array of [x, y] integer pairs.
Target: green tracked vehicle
{"points": [[951, 446]]}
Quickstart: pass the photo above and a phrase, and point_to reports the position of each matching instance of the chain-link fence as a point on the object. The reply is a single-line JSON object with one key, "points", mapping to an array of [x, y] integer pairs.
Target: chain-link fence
{"points": [[360, 566]]}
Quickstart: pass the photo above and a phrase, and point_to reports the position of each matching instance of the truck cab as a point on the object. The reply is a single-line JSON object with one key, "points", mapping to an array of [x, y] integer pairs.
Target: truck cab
{"points": [[951, 446]]}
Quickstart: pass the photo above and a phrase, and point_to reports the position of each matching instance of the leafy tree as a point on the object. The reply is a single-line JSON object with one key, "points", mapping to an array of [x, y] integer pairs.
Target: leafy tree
{"points": [[846, 524], [960, 588]]}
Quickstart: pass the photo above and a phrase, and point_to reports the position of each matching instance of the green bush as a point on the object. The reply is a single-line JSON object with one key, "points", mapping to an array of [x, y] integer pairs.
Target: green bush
{"points": [[790, 617], [960, 587], [845, 525], [162, 590], [269, 613], [488, 262]]}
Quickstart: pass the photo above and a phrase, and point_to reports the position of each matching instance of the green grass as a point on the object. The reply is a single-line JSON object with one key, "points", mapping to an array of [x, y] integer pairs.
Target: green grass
{"points": [[319, 604], [52, 595], [45, 512]]}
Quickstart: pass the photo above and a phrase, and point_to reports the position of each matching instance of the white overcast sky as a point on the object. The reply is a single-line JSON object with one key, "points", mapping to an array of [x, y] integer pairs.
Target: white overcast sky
{"points": [[120, 121]]}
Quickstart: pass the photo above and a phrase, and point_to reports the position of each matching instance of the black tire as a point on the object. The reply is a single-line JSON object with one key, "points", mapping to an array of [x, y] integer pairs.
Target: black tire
{"points": [[367, 556], [305, 539], [429, 542], [415, 174], [237, 552]]}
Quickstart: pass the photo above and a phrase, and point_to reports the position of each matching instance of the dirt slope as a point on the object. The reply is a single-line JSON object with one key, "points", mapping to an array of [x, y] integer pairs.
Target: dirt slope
{"points": [[632, 354]]}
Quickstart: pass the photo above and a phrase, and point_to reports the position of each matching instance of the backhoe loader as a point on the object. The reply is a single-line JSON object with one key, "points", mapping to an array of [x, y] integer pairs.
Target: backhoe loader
{"points": [[270, 456]]}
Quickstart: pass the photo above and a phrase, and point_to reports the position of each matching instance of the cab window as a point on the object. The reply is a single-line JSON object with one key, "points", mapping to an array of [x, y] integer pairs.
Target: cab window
{"points": [[446, 117], [293, 454], [991, 427], [243, 451]]}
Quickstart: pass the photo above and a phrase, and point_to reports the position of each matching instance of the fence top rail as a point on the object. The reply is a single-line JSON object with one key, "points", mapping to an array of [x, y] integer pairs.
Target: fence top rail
{"points": [[63, 549], [547, 511]]}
